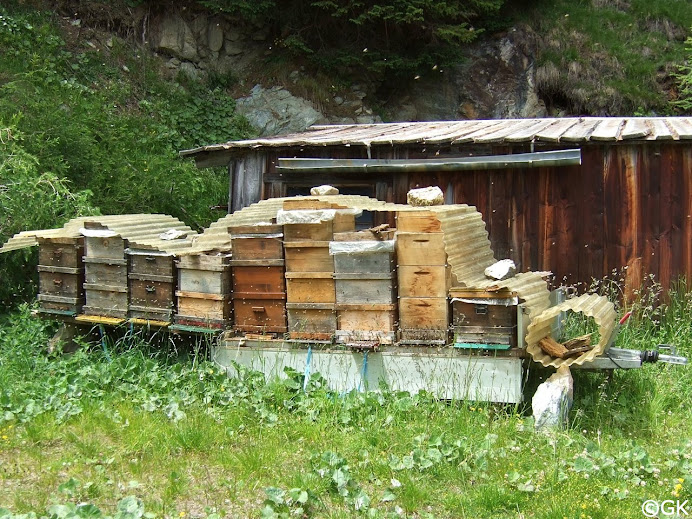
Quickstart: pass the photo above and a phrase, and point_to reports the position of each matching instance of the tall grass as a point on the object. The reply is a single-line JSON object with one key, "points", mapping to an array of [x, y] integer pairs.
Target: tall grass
{"points": [[155, 421]]}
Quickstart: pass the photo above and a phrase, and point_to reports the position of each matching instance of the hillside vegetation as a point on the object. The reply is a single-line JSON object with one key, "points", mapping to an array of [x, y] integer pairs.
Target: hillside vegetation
{"points": [[86, 130]]}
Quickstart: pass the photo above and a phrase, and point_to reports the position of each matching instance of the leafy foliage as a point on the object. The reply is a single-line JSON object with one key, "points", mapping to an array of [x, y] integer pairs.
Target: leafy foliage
{"points": [[684, 78], [98, 130], [389, 38], [29, 198]]}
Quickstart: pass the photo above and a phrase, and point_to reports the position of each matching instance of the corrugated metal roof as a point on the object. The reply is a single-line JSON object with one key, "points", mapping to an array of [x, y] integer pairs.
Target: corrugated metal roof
{"points": [[555, 130], [141, 230]]}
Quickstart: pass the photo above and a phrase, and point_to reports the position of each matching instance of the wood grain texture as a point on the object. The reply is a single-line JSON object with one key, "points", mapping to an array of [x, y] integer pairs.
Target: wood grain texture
{"points": [[423, 280]]}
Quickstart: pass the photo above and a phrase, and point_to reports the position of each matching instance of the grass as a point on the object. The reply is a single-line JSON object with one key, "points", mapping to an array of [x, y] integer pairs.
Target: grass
{"points": [[157, 429], [611, 57]]}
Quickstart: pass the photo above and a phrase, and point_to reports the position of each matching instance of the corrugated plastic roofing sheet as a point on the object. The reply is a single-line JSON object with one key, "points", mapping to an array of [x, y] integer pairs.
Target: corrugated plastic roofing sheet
{"points": [[592, 305], [556, 130], [141, 231]]}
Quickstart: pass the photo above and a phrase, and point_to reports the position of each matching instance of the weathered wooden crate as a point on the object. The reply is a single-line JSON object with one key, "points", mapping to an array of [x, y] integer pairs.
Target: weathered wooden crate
{"points": [[105, 265], [203, 309], [423, 313], [254, 242], [61, 275], [483, 314], [105, 300], [310, 287], [322, 231], [106, 286], [424, 221], [111, 247], [61, 252], [259, 277], [423, 280], [205, 273], [152, 283], [365, 288], [311, 321], [484, 319], [373, 262], [414, 248], [259, 296], [259, 315], [366, 322], [204, 290], [308, 256], [145, 263], [151, 299]]}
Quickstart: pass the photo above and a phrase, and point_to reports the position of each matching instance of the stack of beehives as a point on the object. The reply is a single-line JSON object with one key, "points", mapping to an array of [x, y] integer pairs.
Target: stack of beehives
{"points": [[290, 283], [259, 287], [310, 287], [424, 278], [364, 272]]}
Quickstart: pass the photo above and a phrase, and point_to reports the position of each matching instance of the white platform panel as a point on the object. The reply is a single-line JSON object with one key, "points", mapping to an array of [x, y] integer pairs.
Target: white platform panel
{"points": [[447, 375]]}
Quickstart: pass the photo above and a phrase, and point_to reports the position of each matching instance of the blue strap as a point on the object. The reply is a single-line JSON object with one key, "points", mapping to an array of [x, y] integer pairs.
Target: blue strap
{"points": [[103, 343], [307, 369], [364, 369]]}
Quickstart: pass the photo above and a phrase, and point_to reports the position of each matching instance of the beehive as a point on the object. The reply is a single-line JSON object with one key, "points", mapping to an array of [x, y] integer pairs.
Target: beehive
{"points": [[106, 286], [259, 286], [61, 275], [365, 288], [423, 278], [309, 226], [483, 319], [204, 290], [151, 282]]}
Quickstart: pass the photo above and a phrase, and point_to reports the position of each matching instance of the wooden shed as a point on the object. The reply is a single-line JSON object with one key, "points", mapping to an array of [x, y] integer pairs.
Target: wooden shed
{"points": [[577, 196]]}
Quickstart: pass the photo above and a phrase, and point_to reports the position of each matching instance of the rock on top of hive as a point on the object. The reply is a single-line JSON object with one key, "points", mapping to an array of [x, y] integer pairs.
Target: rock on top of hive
{"points": [[425, 196]]}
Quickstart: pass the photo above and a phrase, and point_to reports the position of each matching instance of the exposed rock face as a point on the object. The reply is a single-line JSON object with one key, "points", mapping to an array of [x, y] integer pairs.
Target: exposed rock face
{"points": [[176, 38], [495, 79], [276, 111]]}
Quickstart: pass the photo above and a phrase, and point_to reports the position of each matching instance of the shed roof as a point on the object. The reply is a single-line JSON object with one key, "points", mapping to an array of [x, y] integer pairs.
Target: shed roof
{"points": [[573, 130]]}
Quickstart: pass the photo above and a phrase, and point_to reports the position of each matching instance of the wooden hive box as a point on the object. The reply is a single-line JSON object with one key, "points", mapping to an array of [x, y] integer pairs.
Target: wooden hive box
{"points": [[152, 281], [106, 282], [484, 319], [204, 290], [365, 290], [310, 285], [311, 321], [308, 256], [423, 280], [61, 275], [259, 284]]}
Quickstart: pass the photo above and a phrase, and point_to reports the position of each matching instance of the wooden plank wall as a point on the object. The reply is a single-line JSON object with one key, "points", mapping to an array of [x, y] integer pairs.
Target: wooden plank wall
{"points": [[627, 208], [627, 205]]}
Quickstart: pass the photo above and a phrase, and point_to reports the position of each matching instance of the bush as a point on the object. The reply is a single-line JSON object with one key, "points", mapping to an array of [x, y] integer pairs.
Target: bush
{"points": [[30, 198], [98, 129]]}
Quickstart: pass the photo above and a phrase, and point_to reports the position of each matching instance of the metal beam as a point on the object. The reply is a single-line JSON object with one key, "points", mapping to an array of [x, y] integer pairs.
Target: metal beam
{"points": [[518, 160]]}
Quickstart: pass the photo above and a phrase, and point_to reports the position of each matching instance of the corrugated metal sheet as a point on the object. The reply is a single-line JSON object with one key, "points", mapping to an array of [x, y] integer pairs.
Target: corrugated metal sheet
{"points": [[141, 230], [556, 130], [591, 305]]}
